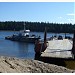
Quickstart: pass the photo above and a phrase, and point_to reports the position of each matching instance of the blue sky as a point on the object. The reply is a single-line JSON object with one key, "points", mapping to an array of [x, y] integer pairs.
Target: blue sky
{"points": [[56, 12]]}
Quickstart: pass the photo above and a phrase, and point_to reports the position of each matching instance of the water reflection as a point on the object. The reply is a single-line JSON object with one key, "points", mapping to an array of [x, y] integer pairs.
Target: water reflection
{"points": [[23, 49]]}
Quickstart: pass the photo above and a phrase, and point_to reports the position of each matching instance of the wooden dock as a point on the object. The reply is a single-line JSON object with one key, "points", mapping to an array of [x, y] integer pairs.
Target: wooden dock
{"points": [[59, 49]]}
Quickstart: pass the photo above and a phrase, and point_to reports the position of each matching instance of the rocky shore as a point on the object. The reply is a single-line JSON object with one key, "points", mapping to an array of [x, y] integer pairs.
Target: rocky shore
{"points": [[16, 65]]}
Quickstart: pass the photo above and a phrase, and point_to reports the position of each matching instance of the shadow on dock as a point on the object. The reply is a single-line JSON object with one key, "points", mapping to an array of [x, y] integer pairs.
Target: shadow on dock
{"points": [[68, 63], [56, 61]]}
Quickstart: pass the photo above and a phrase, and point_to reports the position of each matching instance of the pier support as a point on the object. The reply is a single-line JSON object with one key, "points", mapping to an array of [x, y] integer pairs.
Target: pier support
{"points": [[73, 48], [45, 41], [41, 46], [38, 47]]}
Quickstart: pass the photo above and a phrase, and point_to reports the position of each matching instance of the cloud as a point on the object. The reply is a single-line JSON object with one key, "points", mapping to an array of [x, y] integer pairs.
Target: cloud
{"points": [[60, 17], [71, 20], [71, 14]]}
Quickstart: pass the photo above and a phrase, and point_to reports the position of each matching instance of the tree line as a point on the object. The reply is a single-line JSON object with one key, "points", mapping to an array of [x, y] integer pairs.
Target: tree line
{"points": [[37, 26]]}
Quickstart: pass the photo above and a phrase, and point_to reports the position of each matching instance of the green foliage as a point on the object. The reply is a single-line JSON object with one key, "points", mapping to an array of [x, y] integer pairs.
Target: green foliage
{"points": [[37, 26]]}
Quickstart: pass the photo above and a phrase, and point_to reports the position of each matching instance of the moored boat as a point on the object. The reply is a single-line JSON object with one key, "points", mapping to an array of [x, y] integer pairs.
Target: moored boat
{"points": [[23, 36]]}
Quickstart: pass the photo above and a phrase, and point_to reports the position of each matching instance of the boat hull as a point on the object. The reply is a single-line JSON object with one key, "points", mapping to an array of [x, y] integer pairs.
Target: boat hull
{"points": [[22, 39]]}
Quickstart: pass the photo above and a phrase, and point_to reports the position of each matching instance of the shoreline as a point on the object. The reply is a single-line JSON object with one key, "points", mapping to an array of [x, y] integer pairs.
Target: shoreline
{"points": [[17, 65]]}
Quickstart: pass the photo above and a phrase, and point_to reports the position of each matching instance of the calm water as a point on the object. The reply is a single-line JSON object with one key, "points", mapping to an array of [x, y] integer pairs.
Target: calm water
{"points": [[18, 49]]}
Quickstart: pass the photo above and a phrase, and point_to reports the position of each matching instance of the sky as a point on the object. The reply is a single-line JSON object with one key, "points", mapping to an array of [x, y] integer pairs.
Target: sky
{"points": [[52, 12]]}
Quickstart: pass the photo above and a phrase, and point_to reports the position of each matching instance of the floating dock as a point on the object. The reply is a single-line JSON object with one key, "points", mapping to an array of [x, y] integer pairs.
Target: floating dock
{"points": [[58, 49]]}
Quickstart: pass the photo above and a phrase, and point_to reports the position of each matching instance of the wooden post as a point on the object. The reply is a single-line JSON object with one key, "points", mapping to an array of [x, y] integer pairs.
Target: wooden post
{"points": [[45, 35], [45, 41], [73, 48]]}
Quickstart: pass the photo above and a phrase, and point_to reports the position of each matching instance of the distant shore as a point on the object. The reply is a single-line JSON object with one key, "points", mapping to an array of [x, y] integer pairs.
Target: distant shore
{"points": [[16, 65]]}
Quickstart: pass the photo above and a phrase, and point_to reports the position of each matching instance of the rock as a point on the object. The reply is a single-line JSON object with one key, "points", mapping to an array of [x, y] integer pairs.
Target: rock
{"points": [[15, 65]]}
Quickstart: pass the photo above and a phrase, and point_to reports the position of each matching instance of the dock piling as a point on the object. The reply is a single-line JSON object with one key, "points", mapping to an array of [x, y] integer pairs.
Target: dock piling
{"points": [[45, 41], [41, 46]]}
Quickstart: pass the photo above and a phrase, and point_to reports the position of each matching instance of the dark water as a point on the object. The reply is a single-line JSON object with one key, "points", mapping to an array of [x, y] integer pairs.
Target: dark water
{"points": [[18, 49]]}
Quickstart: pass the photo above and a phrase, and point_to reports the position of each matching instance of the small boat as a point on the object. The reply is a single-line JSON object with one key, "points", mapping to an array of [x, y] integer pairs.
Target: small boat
{"points": [[23, 36]]}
